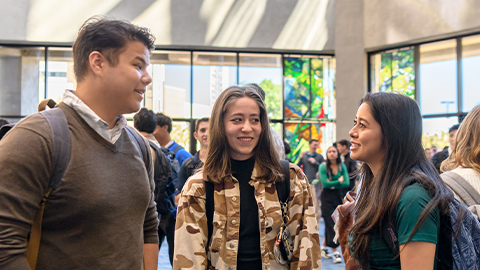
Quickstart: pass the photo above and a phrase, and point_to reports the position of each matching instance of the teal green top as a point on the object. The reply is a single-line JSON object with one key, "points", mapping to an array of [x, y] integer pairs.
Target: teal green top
{"points": [[334, 183], [413, 200]]}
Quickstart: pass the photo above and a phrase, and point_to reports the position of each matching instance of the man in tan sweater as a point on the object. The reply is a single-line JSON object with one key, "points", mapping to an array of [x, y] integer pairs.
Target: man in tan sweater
{"points": [[103, 214]]}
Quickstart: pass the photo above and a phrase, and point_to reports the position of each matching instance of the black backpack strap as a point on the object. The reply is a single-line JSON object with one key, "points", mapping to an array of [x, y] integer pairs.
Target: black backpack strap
{"points": [[61, 144], [175, 150], [283, 189], [140, 144], [209, 209]]}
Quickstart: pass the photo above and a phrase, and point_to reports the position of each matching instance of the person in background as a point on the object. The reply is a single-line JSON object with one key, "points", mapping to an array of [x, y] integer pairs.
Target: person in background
{"points": [[310, 161], [334, 177], [343, 147], [192, 164], [145, 121], [103, 214], [465, 157], [439, 157], [162, 134], [243, 169], [428, 153], [400, 189], [277, 140]]}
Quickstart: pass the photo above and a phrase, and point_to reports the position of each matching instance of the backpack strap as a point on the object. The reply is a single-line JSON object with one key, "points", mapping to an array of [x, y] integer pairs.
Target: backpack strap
{"points": [[461, 187], [62, 145], [283, 189], [140, 144], [176, 149]]}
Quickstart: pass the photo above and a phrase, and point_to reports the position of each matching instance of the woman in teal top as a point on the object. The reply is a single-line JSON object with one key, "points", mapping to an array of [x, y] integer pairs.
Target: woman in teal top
{"points": [[400, 189], [333, 176]]}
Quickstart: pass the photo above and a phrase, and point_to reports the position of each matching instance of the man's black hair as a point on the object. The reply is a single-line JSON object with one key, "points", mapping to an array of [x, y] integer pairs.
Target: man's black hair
{"points": [[311, 141], [454, 127], [163, 120], [145, 120], [344, 143]]}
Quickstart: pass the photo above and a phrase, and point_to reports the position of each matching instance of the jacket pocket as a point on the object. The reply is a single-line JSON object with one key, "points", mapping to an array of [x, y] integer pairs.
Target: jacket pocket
{"points": [[219, 221]]}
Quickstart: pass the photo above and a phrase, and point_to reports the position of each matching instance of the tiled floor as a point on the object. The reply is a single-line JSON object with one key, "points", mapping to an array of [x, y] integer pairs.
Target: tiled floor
{"points": [[327, 264]]}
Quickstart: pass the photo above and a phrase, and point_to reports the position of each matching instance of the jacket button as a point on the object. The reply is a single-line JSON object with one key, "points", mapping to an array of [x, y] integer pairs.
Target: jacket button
{"points": [[234, 199], [234, 222], [220, 223]]}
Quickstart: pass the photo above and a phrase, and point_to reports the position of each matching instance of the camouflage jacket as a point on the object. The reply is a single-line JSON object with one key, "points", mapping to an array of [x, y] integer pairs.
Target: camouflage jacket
{"points": [[191, 231]]}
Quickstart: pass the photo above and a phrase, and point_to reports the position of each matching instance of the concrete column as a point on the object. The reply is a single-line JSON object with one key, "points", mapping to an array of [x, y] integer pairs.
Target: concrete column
{"points": [[351, 79]]}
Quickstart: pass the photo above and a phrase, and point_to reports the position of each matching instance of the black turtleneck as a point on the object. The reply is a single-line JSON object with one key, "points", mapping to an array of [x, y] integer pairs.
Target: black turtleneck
{"points": [[249, 254]]}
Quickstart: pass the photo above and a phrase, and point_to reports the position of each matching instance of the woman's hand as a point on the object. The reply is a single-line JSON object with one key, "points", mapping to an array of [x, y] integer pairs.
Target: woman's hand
{"points": [[340, 179]]}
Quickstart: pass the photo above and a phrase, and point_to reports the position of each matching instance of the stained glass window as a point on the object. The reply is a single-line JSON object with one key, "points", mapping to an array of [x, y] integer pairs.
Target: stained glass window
{"points": [[393, 72], [309, 101], [297, 87]]}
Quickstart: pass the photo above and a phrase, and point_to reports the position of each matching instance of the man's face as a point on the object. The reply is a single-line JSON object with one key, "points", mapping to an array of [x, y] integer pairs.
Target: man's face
{"points": [[202, 134], [451, 138], [313, 147], [341, 148], [126, 83]]}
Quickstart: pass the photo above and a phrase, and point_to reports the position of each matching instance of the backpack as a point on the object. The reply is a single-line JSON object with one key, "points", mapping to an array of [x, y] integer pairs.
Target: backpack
{"points": [[170, 188], [458, 242], [283, 192], [162, 176]]}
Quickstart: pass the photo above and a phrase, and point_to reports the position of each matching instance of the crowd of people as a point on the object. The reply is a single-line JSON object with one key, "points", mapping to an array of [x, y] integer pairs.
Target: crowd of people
{"points": [[234, 204]]}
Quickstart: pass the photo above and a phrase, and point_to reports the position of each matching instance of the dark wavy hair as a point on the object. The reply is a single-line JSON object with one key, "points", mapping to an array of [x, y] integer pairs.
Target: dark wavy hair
{"points": [[405, 163], [217, 164]]}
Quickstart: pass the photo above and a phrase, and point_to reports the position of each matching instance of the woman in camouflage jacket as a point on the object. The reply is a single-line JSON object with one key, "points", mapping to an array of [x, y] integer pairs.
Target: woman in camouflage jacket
{"points": [[243, 167]]}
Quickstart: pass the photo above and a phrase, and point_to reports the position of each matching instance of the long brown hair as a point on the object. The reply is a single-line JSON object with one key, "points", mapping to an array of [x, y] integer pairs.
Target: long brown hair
{"points": [[217, 164], [405, 162], [466, 152]]}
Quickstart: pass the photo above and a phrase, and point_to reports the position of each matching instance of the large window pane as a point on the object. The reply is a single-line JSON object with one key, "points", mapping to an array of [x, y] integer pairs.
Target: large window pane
{"points": [[329, 100], [470, 68], [266, 71], [20, 78], [435, 131], [438, 77], [60, 75], [212, 73], [393, 72], [169, 91], [181, 134]]}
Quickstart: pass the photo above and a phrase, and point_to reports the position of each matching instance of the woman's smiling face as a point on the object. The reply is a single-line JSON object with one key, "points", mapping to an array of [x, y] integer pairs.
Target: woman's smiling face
{"points": [[367, 139], [242, 128]]}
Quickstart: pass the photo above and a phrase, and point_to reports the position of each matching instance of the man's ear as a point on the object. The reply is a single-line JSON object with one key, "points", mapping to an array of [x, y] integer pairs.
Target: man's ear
{"points": [[96, 62]]}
